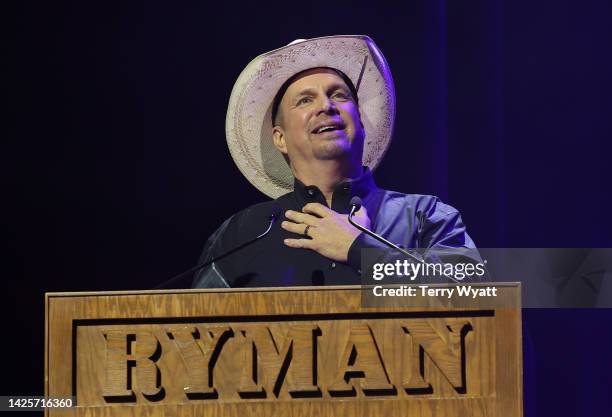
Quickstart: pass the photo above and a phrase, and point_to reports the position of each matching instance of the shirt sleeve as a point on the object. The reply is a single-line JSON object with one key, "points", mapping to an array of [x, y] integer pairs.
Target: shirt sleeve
{"points": [[438, 228], [443, 228], [446, 240]]}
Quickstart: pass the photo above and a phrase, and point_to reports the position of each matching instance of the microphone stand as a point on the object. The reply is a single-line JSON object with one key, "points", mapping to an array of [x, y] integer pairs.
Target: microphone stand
{"points": [[273, 217]]}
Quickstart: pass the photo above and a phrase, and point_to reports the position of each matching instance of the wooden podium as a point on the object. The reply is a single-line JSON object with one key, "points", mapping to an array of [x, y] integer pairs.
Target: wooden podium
{"points": [[291, 352]]}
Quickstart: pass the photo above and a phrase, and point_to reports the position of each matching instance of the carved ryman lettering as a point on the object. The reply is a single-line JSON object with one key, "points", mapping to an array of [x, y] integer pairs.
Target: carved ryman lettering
{"points": [[444, 344], [269, 361], [128, 350], [361, 359], [290, 359], [199, 347]]}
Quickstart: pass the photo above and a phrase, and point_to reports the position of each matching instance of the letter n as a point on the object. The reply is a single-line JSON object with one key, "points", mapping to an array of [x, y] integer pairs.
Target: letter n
{"points": [[443, 342]]}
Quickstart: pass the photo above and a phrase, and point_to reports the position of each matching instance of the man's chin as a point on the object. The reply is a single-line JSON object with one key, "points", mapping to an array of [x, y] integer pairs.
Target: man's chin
{"points": [[332, 150]]}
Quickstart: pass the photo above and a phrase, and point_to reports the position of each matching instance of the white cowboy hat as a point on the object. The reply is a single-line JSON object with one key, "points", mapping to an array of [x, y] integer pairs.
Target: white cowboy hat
{"points": [[248, 125]]}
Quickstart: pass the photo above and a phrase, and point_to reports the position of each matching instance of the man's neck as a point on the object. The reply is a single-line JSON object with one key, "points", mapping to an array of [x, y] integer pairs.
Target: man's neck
{"points": [[326, 175]]}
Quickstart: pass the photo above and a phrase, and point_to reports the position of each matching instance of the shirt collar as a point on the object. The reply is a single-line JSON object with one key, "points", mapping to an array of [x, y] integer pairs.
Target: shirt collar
{"points": [[362, 186]]}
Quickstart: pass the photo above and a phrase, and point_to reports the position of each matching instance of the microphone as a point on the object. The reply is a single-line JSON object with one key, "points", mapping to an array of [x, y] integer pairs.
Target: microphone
{"points": [[271, 219], [355, 204]]}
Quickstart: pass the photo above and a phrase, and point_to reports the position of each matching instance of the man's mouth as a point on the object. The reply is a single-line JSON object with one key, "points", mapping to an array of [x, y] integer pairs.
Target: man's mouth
{"points": [[328, 128]]}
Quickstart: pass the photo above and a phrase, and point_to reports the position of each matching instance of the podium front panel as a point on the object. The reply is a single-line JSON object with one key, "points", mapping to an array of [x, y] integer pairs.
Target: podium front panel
{"points": [[308, 351]]}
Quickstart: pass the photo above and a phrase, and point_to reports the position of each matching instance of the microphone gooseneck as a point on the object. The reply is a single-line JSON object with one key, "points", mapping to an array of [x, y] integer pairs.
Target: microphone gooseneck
{"points": [[356, 204], [271, 220]]}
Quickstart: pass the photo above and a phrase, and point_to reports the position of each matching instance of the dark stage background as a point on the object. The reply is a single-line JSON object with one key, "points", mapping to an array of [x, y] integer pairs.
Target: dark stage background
{"points": [[115, 168]]}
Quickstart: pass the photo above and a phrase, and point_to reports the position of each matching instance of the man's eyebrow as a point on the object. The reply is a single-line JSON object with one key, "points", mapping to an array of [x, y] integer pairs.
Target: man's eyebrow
{"points": [[305, 92], [313, 91], [338, 86]]}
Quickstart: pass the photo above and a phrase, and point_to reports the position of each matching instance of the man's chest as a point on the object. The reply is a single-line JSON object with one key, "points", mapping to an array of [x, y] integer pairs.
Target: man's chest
{"points": [[271, 263]]}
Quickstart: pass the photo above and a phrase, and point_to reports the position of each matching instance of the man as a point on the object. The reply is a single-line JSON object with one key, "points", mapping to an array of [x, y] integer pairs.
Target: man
{"points": [[302, 122]]}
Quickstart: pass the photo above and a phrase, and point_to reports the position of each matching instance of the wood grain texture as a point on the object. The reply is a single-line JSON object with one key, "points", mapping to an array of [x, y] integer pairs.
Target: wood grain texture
{"points": [[281, 351]]}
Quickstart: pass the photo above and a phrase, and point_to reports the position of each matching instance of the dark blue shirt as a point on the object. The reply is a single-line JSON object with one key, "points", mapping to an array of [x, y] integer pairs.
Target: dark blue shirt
{"points": [[408, 220]]}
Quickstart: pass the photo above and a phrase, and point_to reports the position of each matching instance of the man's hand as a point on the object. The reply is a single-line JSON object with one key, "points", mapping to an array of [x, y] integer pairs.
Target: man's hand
{"points": [[329, 233]]}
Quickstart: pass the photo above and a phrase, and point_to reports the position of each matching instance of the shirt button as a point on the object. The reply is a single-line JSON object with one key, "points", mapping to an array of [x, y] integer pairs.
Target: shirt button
{"points": [[333, 265]]}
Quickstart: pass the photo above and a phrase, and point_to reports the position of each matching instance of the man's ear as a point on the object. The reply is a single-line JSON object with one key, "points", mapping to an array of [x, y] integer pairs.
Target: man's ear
{"points": [[278, 136]]}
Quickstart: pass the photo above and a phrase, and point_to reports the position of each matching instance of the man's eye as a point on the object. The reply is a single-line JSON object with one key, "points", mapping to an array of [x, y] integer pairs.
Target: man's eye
{"points": [[341, 95], [303, 100]]}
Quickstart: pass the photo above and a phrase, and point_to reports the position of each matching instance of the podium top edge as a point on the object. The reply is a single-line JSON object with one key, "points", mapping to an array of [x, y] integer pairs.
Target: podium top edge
{"points": [[257, 289]]}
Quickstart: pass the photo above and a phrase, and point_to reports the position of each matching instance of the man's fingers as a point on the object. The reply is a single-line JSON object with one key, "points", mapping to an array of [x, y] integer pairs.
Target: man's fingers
{"points": [[297, 217], [297, 228], [317, 209], [300, 243]]}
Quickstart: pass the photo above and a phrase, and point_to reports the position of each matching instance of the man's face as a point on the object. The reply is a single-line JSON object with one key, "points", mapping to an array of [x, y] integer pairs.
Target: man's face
{"points": [[318, 119]]}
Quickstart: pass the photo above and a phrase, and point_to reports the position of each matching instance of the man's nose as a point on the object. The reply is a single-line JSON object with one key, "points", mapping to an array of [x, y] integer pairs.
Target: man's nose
{"points": [[327, 105]]}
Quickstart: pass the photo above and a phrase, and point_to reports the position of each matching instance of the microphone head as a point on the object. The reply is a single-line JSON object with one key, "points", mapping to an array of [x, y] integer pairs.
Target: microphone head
{"points": [[276, 210], [356, 203]]}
